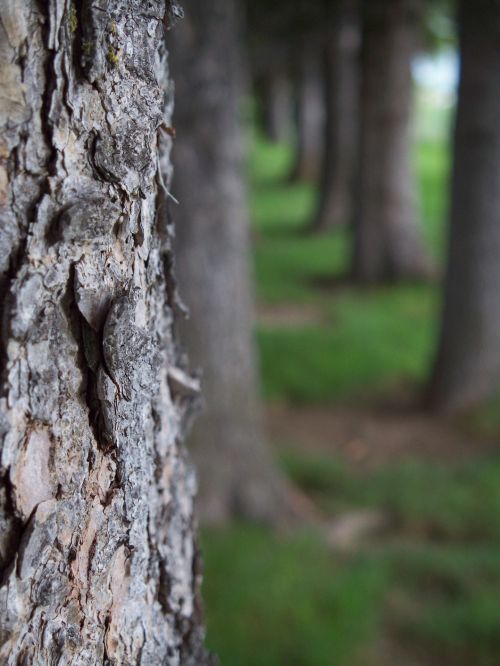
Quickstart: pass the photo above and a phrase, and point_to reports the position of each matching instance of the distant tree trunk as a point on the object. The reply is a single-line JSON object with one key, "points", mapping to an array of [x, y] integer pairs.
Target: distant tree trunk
{"points": [[276, 103], [236, 472], [341, 81], [467, 369], [387, 243], [309, 112], [97, 550]]}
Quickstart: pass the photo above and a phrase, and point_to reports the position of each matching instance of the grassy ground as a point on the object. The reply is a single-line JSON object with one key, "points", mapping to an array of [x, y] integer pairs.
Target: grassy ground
{"points": [[426, 591], [372, 337]]}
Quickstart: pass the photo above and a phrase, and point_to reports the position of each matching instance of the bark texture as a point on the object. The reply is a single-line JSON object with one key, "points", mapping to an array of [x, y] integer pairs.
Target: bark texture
{"points": [[387, 243], [341, 91], [467, 369], [236, 472], [309, 110], [97, 549]]}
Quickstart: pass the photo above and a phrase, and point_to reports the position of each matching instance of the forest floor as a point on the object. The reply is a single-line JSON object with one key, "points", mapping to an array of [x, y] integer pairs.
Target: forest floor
{"points": [[370, 435], [405, 569]]}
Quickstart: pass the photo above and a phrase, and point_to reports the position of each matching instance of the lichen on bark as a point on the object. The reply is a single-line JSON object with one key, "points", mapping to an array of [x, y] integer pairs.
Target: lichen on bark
{"points": [[98, 553]]}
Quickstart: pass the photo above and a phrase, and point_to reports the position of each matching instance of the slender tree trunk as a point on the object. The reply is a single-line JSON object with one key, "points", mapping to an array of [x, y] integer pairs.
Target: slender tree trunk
{"points": [[387, 243], [467, 369], [236, 472], [276, 103], [97, 547], [341, 80], [310, 113]]}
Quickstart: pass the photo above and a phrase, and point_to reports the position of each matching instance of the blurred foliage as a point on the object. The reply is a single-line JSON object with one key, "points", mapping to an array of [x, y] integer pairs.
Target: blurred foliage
{"points": [[284, 20], [439, 24]]}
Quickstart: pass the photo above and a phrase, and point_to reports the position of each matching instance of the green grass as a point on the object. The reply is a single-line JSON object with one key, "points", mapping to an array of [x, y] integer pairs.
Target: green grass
{"points": [[281, 600], [288, 261], [442, 552], [457, 502], [445, 600], [432, 164], [286, 601], [372, 338], [431, 585]]}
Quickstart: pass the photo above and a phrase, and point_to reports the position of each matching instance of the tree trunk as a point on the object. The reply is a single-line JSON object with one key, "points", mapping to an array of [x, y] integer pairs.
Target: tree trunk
{"points": [[236, 472], [310, 113], [467, 369], [276, 104], [387, 243], [341, 125], [98, 554]]}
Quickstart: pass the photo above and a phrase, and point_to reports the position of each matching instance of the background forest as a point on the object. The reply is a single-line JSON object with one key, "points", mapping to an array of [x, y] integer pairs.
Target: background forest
{"points": [[393, 556]]}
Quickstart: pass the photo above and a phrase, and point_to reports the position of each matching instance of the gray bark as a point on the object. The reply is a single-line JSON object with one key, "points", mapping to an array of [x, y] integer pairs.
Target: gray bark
{"points": [[310, 111], [236, 472], [97, 550], [387, 242], [341, 82], [467, 368], [276, 102]]}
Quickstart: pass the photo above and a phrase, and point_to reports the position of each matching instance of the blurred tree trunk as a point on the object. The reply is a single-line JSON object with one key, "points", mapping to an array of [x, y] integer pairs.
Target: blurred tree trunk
{"points": [[341, 81], [467, 369], [236, 472], [276, 103], [309, 112], [97, 549], [387, 243]]}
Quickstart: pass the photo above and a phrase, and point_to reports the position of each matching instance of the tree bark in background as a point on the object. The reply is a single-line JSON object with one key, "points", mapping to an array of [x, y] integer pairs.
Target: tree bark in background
{"points": [[97, 547], [276, 103], [467, 368], [309, 111], [387, 243], [341, 82], [236, 472]]}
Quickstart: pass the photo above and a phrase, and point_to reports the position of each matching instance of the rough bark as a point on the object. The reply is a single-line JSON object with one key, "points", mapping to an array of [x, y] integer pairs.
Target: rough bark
{"points": [[387, 243], [467, 368], [309, 111], [98, 555], [341, 81], [236, 472]]}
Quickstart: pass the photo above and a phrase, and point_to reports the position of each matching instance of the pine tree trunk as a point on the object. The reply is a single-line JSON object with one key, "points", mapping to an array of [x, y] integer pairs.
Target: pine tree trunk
{"points": [[341, 80], [97, 547], [276, 103], [467, 368], [387, 243], [310, 113], [236, 472]]}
